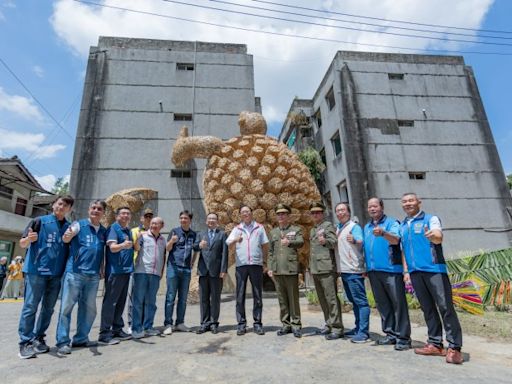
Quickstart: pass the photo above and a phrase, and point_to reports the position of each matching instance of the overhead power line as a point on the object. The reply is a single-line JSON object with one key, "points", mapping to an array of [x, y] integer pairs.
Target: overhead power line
{"points": [[35, 98], [338, 26], [293, 35], [384, 19], [361, 22]]}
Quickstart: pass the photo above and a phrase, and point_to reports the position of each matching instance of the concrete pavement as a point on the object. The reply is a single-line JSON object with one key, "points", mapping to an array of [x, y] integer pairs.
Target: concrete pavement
{"points": [[225, 357]]}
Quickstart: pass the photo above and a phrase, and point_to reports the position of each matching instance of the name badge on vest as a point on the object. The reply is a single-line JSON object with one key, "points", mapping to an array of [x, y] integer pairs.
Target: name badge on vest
{"points": [[418, 227]]}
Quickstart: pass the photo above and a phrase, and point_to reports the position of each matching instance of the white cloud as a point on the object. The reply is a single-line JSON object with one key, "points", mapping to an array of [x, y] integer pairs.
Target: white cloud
{"points": [[5, 4], [284, 67], [39, 71], [29, 142], [20, 106], [47, 181]]}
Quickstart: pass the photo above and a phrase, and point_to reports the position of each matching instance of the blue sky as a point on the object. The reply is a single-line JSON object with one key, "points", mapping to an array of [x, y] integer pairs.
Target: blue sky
{"points": [[45, 45]]}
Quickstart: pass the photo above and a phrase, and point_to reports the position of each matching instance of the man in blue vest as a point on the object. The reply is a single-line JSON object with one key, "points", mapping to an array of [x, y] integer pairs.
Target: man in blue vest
{"points": [[119, 267], [87, 250], [385, 271], [44, 265], [422, 236], [180, 245]]}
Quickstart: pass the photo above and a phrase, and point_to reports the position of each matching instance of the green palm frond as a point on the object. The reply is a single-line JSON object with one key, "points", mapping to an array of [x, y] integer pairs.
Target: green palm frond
{"points": [[493, 269]]}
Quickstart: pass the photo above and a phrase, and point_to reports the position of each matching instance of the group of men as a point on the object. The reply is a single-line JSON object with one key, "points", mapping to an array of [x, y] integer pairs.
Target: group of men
{"points": [[75, 256], [84, 251], [390, 253]]}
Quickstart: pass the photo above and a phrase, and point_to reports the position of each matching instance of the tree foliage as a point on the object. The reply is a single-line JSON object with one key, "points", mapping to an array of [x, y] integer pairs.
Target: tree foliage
{"points": [[61, 187], [509, 181], [311, 159]]}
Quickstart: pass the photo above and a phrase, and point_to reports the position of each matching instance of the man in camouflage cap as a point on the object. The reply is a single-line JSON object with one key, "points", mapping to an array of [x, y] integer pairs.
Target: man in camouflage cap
{"points": [[283, 265], [322, 264]]}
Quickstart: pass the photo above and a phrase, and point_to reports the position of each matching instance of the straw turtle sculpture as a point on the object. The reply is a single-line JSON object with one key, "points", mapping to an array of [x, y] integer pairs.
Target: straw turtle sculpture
{"points": [[251, 169]]}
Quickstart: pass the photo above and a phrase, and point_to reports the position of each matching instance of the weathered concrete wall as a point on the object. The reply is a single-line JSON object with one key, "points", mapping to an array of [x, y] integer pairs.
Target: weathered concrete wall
{"points": [[450, 141], [126, 131]]}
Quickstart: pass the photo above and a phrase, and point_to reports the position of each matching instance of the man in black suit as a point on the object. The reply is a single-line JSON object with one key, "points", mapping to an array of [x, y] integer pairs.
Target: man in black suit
{"points": [[211, 268]]}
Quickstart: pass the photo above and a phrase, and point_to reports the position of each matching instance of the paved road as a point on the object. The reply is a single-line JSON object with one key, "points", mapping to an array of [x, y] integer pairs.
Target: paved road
{"points": [[225, 357]]}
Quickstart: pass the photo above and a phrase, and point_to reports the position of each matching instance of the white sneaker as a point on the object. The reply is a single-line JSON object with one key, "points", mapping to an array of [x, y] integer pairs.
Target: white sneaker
{"points": [[182, 328], [138, 335], [168, 330], [129, 330]]}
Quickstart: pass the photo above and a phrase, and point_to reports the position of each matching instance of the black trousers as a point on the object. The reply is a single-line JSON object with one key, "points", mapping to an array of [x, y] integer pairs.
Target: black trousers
{"points": [[255, 274], [389, 293], [210, 289], [434, 292], [116, 289]]}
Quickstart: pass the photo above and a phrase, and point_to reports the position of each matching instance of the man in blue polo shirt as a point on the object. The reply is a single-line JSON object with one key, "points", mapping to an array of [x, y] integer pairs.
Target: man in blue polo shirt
{"points": [[119, 266], [44, 265], [422, 238], [385, 271], [87, 250], [180, 245]]}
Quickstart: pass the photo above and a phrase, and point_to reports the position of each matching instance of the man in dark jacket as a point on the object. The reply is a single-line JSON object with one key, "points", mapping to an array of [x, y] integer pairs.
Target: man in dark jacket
{"points": [[211, 268], [180, 245]]}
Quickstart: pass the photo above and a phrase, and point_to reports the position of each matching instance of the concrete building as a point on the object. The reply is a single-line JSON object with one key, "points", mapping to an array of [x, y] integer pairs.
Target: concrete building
{"points": [[18, 204], [138, 94], [386, 124]]}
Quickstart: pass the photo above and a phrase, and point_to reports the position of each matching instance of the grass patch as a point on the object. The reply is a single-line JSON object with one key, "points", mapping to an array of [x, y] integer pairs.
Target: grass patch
{"points": [[493, 325]]}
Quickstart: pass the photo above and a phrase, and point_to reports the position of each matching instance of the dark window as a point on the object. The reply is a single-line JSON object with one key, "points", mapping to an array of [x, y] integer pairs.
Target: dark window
{"points": [[318, 117], [21, 206], [395, 76], [322, 156], [329, 98], [181, 174], [336, 144], [417, 175], [182, 117], [405, 123], [184, 66], [343, 191], [5, 192], [307, 132], [327, 200]]}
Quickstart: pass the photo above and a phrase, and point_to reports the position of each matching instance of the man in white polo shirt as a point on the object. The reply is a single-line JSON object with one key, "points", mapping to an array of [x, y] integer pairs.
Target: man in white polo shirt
{"points": [[251, 244]]}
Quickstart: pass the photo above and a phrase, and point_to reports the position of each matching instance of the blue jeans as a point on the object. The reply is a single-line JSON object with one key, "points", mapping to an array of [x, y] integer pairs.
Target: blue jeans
{"points": [[355, 290], [77, 288], [145, 288], [178, 281], [38, 289]]}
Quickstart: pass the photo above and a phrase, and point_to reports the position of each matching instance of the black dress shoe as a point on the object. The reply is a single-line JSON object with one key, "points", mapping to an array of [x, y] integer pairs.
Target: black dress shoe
{"points": [[202, 330], [214, 329], [122, 335], [323, 331], [333, 336], [258, 329], [241, 331], [402, 346], [284, 331], [388, 340], [297, 333]]}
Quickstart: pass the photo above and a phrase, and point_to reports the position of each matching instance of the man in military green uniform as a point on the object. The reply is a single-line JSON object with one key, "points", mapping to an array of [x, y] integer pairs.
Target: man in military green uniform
{"points": [[283, 265], [322, 264]]}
